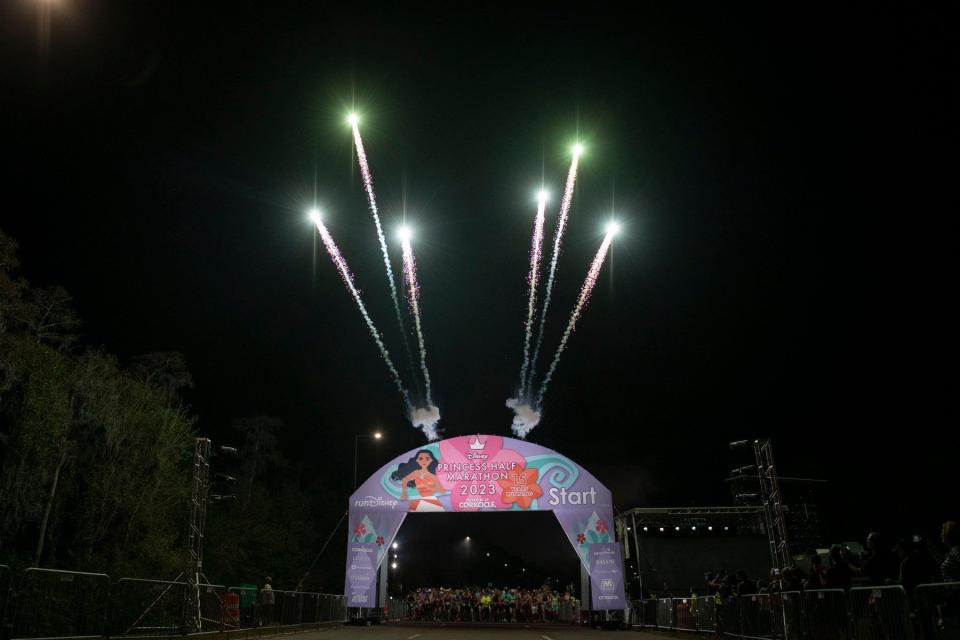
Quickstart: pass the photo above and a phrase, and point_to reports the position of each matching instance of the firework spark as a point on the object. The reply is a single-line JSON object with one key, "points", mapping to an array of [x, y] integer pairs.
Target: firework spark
{"points": [[340, 262], [413, 295], [372, 199], [536, 252], [588, 284], [565, 205]]}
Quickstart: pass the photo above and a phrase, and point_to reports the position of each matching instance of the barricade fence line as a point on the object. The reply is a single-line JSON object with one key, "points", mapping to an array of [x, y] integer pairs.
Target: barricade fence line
{"points": [[48, 603], [932, 612], [51, 603]]}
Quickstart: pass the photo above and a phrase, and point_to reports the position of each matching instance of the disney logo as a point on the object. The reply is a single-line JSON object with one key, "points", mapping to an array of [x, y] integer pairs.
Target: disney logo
{"points": [[375, 501]]}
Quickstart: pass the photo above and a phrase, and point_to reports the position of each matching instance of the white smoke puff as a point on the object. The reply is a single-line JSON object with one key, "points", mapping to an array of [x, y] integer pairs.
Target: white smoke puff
{"points": [[426, 419], [525, 417]]}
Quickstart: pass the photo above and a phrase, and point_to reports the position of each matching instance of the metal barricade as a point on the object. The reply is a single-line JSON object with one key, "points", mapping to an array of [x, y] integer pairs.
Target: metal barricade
{"points": [[47, 603], [683, 616], [705, 613], [288, 608], [147, 607], [824, 614], [398, 609], [753, 615], [880, 613], [247, 615], [788, 613], [332, 608], [728, 617], [665, 613], [937, 608], [4, 593]]}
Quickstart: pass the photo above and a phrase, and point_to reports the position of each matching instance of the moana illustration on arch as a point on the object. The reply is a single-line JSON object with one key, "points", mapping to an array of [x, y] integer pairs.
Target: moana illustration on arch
{"points": [[420, 473]]}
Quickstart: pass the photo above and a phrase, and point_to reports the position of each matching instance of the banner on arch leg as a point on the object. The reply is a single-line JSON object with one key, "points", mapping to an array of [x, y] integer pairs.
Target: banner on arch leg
{"points": [[371, 533]]}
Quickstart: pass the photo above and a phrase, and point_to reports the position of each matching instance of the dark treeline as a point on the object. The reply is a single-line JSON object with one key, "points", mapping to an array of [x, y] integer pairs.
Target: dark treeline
{"points": [[95, 459]]}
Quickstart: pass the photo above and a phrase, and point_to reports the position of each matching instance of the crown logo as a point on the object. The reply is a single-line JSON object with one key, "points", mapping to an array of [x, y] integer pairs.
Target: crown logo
{"points": [[476, 444]]}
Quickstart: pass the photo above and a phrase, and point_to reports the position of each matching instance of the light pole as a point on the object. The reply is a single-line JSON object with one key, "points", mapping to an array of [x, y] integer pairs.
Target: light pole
{"points": [[376, 435]]}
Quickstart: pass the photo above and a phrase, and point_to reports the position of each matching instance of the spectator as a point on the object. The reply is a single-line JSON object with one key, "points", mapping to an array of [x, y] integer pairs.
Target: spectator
{"points": [[266, 601], [917, 566], [879, 562], [745, 586], [818, 573], [950, 568], [839, 575]]}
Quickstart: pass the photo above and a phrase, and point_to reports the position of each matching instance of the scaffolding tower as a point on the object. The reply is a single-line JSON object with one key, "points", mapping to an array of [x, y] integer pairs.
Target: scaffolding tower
{"points": [[193, 572]]}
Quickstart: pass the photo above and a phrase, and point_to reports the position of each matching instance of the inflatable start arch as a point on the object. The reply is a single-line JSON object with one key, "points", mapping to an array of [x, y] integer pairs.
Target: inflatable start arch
{"points": [[483, 473]]}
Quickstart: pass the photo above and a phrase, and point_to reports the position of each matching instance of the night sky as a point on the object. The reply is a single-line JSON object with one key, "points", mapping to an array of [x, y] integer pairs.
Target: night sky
{"points": [[783, 179]]}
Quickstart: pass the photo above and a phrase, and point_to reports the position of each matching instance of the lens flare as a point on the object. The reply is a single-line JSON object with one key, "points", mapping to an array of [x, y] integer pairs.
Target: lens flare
{"points": [[612, 228], [577, 150], [353, 119], [314, 216]]}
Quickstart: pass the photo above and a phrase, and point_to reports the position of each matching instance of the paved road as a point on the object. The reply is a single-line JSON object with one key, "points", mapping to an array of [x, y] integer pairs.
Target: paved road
{"points": [[395, 632]]}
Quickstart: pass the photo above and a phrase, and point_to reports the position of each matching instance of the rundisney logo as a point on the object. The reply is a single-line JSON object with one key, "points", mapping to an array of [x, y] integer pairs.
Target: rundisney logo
{"points": [[375, 501]]}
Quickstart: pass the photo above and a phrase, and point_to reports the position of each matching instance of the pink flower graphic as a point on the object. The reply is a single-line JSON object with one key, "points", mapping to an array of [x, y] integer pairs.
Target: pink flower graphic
{"points": [[360, 530], [380, 541], [601, 527], [581, 538]]}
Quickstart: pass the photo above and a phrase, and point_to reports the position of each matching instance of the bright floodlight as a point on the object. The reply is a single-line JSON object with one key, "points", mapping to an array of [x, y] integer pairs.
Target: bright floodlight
{"points": [[404, 233], [314, 215], [613, 228], [542, 195], [353, 119], [577, 149]]}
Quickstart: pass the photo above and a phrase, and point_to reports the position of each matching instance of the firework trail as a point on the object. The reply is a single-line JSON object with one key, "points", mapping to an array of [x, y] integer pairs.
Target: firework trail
{"points": [[555, 256], [589, 282], [372, 198], [413, 294], [340, 262], [536, 252]]}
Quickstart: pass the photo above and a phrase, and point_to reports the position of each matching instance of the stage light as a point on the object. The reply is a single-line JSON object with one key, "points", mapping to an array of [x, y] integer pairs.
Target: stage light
{"points": [[353, 119], [542, 195], [613, 228], [404, 233], [577, 150], [314, 216]]}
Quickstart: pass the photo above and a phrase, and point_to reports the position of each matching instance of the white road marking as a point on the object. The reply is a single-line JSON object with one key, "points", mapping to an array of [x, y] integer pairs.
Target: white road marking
{"points": [[546, 637], [416, 635]]}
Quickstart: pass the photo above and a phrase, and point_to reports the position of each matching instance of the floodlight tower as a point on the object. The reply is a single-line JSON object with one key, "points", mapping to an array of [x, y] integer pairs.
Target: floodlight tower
{"points": [[193, 573], [774, 513]]}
